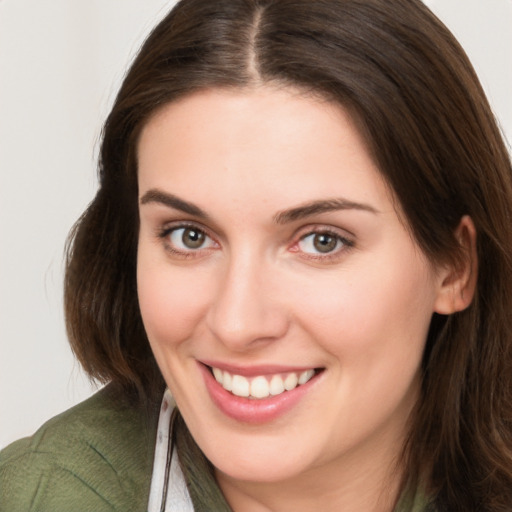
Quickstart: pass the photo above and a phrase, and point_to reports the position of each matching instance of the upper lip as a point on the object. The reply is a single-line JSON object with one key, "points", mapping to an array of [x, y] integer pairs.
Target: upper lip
{"points": [[255, 370]]}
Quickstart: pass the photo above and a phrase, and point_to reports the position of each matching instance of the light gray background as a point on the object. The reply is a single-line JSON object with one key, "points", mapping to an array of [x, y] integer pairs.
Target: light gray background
{"points": [[61, 63]]}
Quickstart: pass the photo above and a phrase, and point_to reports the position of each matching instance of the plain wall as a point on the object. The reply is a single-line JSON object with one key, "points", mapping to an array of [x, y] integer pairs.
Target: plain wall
{"points": [[61, 63]]}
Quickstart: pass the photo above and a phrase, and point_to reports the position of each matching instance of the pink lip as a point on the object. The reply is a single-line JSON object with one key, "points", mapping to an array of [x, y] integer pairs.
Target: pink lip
{"points": [[253, 411]]}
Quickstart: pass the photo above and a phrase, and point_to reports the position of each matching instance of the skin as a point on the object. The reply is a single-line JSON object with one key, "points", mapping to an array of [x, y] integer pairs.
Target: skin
{"points": [[258, 292]]}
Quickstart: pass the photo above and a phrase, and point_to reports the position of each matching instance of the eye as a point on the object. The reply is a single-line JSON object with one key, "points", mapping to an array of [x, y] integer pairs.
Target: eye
{"points": [[322, 243], [188, 238]]}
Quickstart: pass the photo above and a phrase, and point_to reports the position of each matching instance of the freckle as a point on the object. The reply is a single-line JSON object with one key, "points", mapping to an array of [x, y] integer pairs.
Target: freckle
{"points": [[165, 406]]}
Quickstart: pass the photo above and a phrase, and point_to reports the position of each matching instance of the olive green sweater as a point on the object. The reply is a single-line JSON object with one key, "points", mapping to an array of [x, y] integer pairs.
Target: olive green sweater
{"points": [[96, 457]]}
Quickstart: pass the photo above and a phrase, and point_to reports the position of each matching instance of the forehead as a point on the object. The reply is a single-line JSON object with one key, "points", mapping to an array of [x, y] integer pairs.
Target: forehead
{"points": [[259, 144]]}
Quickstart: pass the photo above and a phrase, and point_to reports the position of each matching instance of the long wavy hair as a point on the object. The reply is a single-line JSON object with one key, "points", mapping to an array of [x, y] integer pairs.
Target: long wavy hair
{"points": [[418, 103]]}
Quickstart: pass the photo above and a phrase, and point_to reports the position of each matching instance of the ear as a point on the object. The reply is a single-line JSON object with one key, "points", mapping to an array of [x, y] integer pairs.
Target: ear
{"points": [[457, 282]]}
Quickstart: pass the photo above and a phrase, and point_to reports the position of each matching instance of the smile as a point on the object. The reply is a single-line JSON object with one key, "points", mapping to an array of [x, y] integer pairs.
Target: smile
{"points": [[261, 386], [258, 394]]}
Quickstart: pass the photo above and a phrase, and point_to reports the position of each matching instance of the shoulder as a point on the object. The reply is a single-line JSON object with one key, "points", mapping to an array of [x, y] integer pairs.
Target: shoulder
{"points": [[96, 456]]}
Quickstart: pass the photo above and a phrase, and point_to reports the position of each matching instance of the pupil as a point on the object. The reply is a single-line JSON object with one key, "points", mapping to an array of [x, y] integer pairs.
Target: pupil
{"points": [[324, 242], [193, 238]]}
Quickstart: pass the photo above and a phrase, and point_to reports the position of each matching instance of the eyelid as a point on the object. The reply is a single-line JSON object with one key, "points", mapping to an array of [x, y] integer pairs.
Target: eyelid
{"points": [[166, 227], [323, 228]]}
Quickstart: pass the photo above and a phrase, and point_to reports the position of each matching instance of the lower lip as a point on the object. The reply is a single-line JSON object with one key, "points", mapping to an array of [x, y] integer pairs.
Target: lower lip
{"points": [[254, 411]]}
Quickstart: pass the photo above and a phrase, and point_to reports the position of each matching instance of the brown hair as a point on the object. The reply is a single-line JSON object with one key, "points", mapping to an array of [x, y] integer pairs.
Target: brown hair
{"points": [[419, 104]]}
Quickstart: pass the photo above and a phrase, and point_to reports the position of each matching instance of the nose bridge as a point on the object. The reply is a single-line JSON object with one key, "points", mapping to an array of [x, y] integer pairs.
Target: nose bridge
{"points": [[245, 309]]}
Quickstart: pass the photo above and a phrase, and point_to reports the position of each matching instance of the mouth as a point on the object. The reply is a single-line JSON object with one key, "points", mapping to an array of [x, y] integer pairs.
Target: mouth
{"points": [[259, 387], [258, 394]]}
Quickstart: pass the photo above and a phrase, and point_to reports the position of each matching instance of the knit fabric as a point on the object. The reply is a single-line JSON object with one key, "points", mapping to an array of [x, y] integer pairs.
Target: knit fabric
{"points": [[96, 457]]}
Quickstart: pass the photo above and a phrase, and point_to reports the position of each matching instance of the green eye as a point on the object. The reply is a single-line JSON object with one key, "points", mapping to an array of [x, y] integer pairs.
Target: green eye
{"points": [[321, 243], [192, 238], [189, 239], [324, 242]]}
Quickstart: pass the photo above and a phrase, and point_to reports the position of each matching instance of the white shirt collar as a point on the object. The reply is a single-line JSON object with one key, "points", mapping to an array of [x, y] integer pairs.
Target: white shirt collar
{"points": [[168, 491]]}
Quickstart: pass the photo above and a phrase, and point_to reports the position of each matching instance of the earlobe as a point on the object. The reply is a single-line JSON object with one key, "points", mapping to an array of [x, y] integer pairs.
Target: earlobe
{"points": [[458, 281]]}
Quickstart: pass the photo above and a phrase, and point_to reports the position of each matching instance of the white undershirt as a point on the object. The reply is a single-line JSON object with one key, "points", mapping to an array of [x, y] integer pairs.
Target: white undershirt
{"points": [[167, 483]]}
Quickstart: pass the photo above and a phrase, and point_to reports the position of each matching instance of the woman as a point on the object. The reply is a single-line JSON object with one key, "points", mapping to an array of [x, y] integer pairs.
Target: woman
{"points": [[302, 229]]}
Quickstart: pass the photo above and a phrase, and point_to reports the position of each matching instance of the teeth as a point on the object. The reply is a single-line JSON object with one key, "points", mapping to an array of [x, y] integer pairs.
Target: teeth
{"points": [[240, 386], [217, 374], [291, 381], [276, 385], [227, 381], [305, 376], [261, 386]]}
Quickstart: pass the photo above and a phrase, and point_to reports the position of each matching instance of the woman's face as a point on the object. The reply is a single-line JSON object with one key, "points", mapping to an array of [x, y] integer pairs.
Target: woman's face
{"points": [[271, 255]]}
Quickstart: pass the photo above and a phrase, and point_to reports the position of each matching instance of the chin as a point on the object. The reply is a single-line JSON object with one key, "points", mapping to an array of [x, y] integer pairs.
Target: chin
{"points": [[259, 472], [253, 457]]}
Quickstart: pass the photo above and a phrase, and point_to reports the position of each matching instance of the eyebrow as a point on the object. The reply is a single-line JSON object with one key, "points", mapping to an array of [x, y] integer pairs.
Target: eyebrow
{"points": [[158, 196], [283, 217], [321, 206]]}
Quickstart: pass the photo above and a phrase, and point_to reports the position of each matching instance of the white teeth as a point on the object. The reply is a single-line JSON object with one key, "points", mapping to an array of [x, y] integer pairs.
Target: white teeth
{"points": [[227, 381], [217, 374], [305, 376], [261, 386], [291, 381], [240, 386], [276, 385]]}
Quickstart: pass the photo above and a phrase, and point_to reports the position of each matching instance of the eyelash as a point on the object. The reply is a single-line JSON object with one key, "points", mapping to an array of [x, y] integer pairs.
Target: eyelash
{"points": [[346, 243]]}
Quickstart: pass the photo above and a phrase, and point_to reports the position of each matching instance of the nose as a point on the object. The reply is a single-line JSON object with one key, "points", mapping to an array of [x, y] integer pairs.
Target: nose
{"points": [[246, 311]]}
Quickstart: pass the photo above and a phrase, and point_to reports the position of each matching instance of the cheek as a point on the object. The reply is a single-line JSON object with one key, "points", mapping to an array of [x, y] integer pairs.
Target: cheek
{"points": [[170, 302], [374, 328], [375, 315]]}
